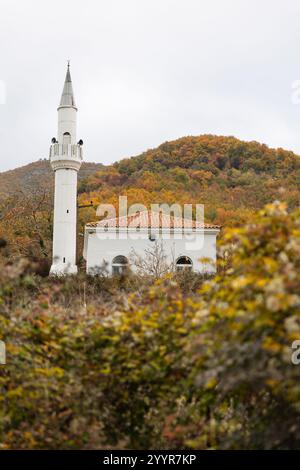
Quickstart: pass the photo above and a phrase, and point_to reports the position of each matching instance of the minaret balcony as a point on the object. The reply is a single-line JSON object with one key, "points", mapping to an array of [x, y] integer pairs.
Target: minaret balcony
{"points": [[66, 151], [65, 156]]}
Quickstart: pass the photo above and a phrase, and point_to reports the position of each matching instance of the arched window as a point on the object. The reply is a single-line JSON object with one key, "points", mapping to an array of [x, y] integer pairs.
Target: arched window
{"points": [[184, 262], [119, 264], [67, 138]]}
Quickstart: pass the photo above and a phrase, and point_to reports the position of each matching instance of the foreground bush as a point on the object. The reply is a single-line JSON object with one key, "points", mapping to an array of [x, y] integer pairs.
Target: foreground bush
{"points": [[249, 319], [93, 363], [92, 376]]}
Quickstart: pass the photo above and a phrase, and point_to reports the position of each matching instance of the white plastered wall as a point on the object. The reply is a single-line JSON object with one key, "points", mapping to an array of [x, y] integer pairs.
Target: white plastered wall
{"points": [[100, 247], [64, 235]]}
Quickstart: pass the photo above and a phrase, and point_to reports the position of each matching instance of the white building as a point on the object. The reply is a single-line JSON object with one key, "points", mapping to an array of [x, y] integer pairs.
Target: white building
{"points": [[114, 243], [111, 242]]}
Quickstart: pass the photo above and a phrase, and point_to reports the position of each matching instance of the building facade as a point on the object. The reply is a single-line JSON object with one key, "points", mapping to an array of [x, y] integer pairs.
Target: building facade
{"points": [[117, 244]]}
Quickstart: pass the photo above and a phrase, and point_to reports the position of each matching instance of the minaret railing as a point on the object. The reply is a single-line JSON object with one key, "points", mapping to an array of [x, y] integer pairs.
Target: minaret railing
{"points": [[66, 150]]}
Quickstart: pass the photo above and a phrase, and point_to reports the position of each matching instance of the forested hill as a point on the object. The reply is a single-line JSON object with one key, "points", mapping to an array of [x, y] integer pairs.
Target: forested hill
{"points": [[231, 177]]}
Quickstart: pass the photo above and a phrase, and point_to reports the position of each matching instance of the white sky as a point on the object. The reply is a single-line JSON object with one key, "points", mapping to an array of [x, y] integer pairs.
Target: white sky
{"points": [[147, 71]]}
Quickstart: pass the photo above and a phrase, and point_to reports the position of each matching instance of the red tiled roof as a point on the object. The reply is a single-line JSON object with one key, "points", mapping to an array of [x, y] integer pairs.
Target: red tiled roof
{"points": [[151, 219]]}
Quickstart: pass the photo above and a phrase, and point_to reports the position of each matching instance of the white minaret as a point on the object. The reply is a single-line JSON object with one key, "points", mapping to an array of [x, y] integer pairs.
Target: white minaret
{"points": [[65, 159]]}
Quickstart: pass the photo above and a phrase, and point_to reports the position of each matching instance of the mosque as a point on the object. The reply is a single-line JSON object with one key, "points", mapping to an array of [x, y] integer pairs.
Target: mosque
{"points": [[110, 241]]}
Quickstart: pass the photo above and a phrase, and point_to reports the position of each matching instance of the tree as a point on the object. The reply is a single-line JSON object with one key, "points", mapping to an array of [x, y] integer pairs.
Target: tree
{"points": [[154, 262], [26, 223]]}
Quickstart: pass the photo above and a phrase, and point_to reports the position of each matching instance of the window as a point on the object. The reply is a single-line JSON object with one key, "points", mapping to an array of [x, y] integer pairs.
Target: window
{"points": [[184, 262], [119, 264]]}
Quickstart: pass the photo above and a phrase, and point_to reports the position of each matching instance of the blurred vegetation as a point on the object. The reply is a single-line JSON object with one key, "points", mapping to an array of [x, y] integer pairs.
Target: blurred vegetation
{"points": [[126, 362]]}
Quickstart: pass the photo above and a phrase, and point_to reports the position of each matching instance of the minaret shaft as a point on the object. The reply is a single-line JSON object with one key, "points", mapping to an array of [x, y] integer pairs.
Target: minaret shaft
{"points": [[65, 159]]}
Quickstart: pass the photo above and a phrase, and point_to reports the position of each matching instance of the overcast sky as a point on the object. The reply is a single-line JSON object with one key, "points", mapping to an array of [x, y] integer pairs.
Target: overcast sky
{"points": [[147, 71]]}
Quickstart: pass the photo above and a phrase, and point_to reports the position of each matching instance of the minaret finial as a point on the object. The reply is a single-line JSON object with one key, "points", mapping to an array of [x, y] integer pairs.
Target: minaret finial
{"points": [[67, 97]]}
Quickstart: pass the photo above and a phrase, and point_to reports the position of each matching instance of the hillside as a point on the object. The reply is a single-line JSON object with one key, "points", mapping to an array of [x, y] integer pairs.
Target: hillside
{"points": [[232, 178], [229, 176], [36, 175]]}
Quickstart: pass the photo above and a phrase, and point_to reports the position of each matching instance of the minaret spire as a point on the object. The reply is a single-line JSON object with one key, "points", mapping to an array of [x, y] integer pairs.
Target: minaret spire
{"points": [[67, 97]]}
